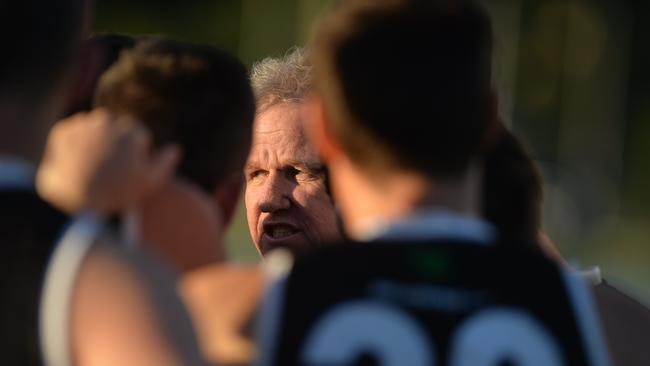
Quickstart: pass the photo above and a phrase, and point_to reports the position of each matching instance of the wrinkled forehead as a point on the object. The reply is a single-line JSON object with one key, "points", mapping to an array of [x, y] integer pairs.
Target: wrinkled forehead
{"points": [[279, 131]]}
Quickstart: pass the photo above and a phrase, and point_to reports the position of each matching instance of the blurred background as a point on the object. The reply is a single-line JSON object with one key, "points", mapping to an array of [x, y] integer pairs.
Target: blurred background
{"points": [[574, 82]]}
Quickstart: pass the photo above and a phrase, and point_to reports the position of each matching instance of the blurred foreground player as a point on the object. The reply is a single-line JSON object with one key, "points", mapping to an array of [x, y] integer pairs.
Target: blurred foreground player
{"points": [[198, 97], [98, 303], [41, 301], [402, 106]]}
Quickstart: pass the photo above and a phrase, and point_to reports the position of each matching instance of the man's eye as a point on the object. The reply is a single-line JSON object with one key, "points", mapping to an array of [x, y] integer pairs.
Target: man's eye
{"points": [[307, 176], [256, 175]]}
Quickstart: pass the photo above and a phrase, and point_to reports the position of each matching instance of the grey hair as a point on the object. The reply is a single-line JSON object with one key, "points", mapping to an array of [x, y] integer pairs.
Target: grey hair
{"points": [[281, 79]]}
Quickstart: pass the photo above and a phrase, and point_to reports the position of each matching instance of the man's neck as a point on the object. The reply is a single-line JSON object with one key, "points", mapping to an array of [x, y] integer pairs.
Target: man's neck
{"points": [[364, 201]]}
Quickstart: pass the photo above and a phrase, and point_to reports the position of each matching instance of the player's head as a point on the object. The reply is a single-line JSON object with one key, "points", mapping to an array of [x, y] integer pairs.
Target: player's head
{"points": [[406, 84], [194, 95], [198, 97]]}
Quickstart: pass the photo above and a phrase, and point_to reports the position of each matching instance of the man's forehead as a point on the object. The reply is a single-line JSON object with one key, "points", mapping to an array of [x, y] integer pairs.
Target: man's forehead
{"points": [[278, 135], [272, 133], [284, 118], [287, 136], [288, 152]]}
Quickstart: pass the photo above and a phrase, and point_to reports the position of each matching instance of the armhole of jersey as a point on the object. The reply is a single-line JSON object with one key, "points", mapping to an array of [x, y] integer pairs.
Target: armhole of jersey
{"points": [[58, 286], [587, 319]]}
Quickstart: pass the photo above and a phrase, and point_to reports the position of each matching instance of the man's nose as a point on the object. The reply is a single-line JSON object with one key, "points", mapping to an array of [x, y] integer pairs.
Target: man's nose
{"points": [[275, 194]]}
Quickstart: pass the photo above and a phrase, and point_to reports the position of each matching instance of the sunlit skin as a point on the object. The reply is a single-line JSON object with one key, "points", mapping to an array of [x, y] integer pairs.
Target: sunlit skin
{"points": [[287, 203]]}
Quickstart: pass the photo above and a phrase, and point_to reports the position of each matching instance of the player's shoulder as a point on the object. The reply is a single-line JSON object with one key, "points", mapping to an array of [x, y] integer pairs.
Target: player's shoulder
{"points": [[446, 295], [395, 252]]}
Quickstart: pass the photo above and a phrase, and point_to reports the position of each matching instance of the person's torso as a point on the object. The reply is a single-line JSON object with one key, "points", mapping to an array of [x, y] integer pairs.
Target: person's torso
{"points": [[456, 302]]}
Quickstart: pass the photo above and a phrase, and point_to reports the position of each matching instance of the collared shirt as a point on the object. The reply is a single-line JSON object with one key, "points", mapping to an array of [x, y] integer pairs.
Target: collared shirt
{"points": [[431, 225]]}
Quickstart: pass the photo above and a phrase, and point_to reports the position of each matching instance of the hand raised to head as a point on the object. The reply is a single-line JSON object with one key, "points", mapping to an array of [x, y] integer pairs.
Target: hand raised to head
{"points": [[102, 162]]}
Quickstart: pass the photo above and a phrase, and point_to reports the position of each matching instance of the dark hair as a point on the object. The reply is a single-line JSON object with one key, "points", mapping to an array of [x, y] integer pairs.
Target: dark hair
{"points": [[512, 191], [406, 82], [194, 95], [39, 41]]}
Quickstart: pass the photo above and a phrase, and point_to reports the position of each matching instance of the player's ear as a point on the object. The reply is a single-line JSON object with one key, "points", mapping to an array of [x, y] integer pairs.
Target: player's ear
{"points": [[319, 128]]}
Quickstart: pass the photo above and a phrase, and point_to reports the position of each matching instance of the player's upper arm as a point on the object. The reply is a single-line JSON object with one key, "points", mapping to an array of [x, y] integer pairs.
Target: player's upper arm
{"points": [[114, 319]]}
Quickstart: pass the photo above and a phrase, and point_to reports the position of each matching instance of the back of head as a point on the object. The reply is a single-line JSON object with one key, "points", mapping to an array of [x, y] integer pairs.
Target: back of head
{"points": [[193, 95], [406, 82], [39, 39], [512, 191]]}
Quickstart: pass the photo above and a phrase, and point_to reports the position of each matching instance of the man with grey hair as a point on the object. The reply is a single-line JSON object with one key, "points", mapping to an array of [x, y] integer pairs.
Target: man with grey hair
{"points": [[287, 201]]}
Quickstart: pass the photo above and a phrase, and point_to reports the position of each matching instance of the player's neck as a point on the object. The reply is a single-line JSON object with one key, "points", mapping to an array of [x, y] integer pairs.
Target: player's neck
{"points": [[363, 200]]}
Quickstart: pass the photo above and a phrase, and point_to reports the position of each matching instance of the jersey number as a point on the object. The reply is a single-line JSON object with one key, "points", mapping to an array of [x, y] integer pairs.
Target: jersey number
{"points": [[489, 338]]}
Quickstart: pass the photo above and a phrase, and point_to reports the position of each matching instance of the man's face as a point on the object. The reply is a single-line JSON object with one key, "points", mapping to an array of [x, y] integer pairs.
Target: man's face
{"points": [[287, 203]]}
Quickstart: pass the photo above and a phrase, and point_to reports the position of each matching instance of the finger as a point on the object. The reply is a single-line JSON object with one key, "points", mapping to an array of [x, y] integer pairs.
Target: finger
{"points": [[96, 117], [100, 115], [99, 111], [63, 125]]}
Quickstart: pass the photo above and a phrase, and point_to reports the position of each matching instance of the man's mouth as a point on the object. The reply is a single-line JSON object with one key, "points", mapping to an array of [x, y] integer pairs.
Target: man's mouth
{"points": [[279, 231], [284, 235]]}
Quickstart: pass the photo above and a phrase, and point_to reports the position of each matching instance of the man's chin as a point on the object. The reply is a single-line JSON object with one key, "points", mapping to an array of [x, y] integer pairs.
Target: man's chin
{"points": [[294, 243]]}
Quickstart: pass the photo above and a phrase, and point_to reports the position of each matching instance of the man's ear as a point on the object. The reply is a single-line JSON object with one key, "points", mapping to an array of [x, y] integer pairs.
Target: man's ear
{"points": [[318, 127], [227, 197]]}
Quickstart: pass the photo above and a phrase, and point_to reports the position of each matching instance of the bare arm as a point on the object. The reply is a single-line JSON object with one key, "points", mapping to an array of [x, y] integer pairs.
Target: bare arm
{"points": [[115, 320], [102, 162]]}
